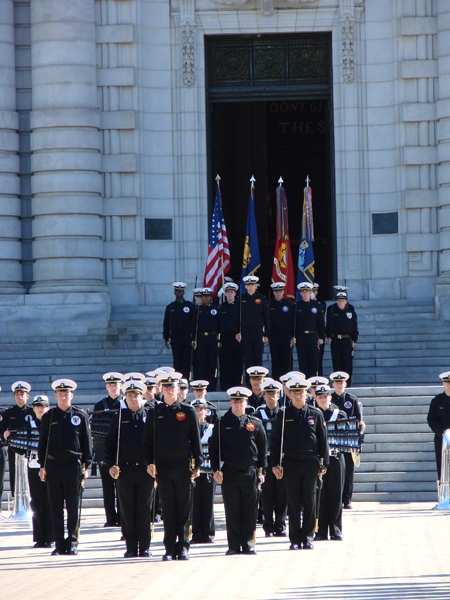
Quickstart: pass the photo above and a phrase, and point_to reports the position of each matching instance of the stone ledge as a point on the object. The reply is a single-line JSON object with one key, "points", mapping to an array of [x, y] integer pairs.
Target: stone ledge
{"points": [[422, 242], [65, 117], [9, 120], [420, 155], [119, 163], [114, 34]]}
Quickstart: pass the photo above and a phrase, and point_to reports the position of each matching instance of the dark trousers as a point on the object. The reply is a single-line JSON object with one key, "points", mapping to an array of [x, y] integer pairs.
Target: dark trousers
{"points": [[3, 455], [349, 475], [181, 350], [12, 470], [40, 505], [174, 484], [438, 452], [207, 359], [203, 516], [63, 483], [231, 362], [342, 356], [109, 495], [300, 479], [307, 352], [252, 346], [240, 497], [320, 360], [330, 509], [273, 496], [281, 353], [134, 487]]}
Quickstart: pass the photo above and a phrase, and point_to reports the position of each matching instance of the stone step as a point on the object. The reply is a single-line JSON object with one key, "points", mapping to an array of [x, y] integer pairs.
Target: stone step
{"points": [[376, 318], [395, 476], [399, 438], [403, 455], [410, 429], [374, 422], [396, 486], [395, 414], [373, 467], [409, 496], [392, 302]]}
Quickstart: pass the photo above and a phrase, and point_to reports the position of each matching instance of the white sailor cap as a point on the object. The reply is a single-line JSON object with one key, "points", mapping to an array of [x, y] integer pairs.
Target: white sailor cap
{"points": [[230, 286], [271, 386], [323, 390], [179, 285], [133, 377], [340, 288], [228, 279], [199, 384], [305, 285], [40, 400], [170, 379], [316, 286], [152, 374], [199, 403], [113, 377], [278, 286], [257, 371], [292, 375], [341, 295], [21, 386], [250, 279], [206, 291], [183, 384], [316, 380], [150, 382], [132, 385], [339, 376], [445, 376], [197, 292], [64, 385], [297, 384], [165, 370], [239, 393]]}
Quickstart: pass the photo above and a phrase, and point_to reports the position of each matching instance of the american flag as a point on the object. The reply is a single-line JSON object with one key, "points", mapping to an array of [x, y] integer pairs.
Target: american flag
{"points": [[218, 250]]}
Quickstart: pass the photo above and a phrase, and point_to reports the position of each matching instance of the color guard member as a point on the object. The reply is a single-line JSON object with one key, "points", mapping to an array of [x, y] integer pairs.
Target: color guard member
{"points": [[439, 417], [281, 313], [342, 333], [309, 330], [205, 331], [178, 320], [231, 357], [256, 378]]}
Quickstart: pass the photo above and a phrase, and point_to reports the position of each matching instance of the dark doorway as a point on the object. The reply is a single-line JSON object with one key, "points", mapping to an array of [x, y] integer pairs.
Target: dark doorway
{"points": [[270, 114], [269, 139]]}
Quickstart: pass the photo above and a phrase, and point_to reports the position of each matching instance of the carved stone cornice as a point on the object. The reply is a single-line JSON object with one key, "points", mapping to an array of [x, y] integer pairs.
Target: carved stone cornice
{"points": [[266, 7], [347, 19]]}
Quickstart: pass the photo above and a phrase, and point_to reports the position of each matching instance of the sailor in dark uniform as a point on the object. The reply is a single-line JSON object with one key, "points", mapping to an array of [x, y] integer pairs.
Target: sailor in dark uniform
{"points": [[3, 459], [273, 490], [203, 529], [102, 411], [351, 406], [309, 330], [439, 418], [305, 454], [281, 313], [205, 331], [149, 396], [65, 453], [323, 304], [40, 505], [177, 332], [183, 386], [342, 333], [256, 377], [239, 441], [285, 399], [197, 301], [252, 322], [313, 383], [16, 418], [330, 509], [231, 357]]}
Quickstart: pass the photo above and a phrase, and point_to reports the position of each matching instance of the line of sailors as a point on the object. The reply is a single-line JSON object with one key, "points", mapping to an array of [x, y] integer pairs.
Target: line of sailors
{"points": [[234, 331], [261, 443]]}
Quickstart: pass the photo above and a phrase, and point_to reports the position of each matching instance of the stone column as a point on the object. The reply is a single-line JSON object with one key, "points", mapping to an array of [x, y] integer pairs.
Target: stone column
{"points": [[10, 227], [443, 135], [65, 142]]}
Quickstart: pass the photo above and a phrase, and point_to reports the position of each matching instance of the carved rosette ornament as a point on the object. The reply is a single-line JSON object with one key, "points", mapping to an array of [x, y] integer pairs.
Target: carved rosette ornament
{"points": [[347, 18], [187, 26]]}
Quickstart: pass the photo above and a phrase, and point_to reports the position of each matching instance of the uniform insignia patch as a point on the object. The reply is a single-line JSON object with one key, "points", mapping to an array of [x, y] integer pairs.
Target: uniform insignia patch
{"points": [[258, 301], [28, 418], [285, 308], [311, 421], [75, 420], [1, 418], [250, 427], [349, 315], [181, 416], [186, 309], [347, 404], [214, 312], [314, 310]]}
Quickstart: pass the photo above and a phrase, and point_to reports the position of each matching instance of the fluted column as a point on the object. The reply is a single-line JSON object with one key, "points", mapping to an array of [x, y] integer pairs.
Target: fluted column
{"points": [[10, 227], [65, 144]]}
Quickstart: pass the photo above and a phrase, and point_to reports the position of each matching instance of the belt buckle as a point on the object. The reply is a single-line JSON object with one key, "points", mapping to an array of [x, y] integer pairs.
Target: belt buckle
{"points": [[339, 337], [205, 333]]}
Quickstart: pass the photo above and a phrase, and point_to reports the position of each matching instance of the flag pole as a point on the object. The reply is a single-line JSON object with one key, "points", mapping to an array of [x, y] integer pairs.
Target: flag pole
{"points": [[221, 258]]}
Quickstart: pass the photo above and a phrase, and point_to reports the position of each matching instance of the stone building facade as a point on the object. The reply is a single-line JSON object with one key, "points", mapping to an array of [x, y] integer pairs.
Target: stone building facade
{"points": [[105, 163]]}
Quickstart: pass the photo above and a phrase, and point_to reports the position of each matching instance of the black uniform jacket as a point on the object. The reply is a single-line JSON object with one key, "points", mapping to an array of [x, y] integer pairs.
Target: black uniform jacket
{"points": [[226, 318], [439, 414], [328, 413], [132, 425], [66, 436], [252, 311], [342, 322], [309, 317], [305, 435], [281, 317], [16, 418], [243, 443], [174, 432], [206, 319], [178, 319], [347, 403], [268, 418]]}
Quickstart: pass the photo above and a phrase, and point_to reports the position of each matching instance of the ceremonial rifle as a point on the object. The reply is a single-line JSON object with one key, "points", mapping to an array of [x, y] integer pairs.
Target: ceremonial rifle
{"points": [[46, 449], [280, 466], [118, 440]]}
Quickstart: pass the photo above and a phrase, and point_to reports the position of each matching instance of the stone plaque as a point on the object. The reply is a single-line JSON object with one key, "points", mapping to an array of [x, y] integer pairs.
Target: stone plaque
{"points": [[158, 229], [384, 223]]}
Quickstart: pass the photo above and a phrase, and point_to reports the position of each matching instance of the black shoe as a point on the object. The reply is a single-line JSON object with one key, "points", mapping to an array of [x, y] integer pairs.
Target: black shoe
{"points": [[269, 534], [208, 540], [130, 554], [49, 544], [348, 505], [231, 552], [183, 555], [145, 553], [280, 533], [109, 524], [122, 538], [294, 547], [57, 552], [39, 545], [338, 538], [308, 546], [320, 538], [249, 551], [196, 541], [72, 551], [167, 557]]}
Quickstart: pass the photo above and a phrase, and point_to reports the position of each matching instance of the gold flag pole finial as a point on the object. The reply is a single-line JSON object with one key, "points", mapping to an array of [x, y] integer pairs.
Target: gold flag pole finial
{"points": [[280, 181], [252, 182], [217, 177], [308, 180]]}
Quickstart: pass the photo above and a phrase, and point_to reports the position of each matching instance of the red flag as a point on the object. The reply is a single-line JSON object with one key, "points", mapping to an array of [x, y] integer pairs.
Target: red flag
{"points": [[283, 268]]}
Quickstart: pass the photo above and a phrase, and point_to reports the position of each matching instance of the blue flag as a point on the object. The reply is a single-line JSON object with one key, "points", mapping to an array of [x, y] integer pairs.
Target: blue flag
{"points": [[250, 261], [305, 269]]}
